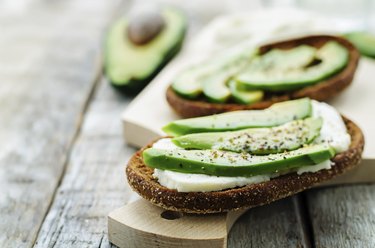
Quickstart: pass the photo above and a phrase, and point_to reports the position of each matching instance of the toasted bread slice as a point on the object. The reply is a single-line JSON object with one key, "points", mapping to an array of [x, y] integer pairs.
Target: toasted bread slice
{"points": [[141, 180], [321, 91]]}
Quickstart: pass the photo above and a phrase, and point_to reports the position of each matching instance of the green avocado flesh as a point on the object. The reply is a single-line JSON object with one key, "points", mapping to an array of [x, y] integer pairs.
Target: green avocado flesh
{"points": [[283, 60], [277, 114], [130, 67], [210, 77], [244, 96], [364, 42], [281, 73], [224, 163], [287, 137]]}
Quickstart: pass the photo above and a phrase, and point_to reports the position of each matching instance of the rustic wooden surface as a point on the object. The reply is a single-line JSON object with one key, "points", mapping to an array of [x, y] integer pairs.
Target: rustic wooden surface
{"points": [[62, 153], [280, 224], [93, 184], [48, 53]]}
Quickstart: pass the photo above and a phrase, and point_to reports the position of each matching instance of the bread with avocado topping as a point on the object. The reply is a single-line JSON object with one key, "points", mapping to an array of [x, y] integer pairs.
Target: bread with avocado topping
{"points": [[140, 178], [323, 90]]}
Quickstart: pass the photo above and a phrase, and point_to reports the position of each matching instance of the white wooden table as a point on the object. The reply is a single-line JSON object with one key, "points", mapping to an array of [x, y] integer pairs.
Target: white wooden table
{"points": [[62, 154]]}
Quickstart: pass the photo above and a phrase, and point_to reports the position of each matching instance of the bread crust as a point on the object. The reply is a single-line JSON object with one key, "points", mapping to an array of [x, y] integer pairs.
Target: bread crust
{"points": [[141, 180], [321, 91]]}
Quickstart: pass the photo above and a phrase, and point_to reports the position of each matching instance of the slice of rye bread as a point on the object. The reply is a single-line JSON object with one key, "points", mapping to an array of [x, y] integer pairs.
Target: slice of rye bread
{"points": [[141, 180], [321, 91]]}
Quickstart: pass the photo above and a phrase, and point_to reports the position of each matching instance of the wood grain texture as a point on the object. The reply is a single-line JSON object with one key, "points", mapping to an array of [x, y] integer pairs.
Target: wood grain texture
{"points": [[94, 182], [48, 55], [141, 224], [343, 216], [280, 224]]}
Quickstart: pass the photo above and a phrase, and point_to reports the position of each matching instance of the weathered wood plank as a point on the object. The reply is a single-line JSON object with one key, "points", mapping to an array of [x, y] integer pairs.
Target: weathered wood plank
{"points": [[48, 53], [94, 183], [343, 216], [280, 224]]}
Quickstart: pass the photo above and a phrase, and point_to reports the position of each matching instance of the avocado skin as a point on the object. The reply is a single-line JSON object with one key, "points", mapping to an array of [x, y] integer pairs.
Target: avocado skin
{"points": [[135, 85], [187, 161]]}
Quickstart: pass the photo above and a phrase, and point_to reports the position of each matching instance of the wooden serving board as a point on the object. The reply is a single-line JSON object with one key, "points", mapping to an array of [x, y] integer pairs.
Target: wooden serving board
{"points": [[140, 224]]}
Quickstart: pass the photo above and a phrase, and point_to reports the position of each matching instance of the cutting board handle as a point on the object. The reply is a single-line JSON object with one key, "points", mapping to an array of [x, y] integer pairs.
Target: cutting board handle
{"points": [[141, 224]]}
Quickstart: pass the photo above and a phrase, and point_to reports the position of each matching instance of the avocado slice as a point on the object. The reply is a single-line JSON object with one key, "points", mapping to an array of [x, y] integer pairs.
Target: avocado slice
{"points": [[244, 96], [224, 163], [215, 86], [277, 114], [278, 59], [364, 42], [287, 137], [129, 66], [187, 83], [211, 76], [330, 59]]}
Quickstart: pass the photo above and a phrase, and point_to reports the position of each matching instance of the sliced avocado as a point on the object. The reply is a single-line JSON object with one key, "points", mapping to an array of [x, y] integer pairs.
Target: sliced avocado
{"points": [[278, 59], [130, 66], [224, 163], [364, 42], [287, 137], [215, 86], [211, 76], [244, 96], [188, 82], [330, 59], [277, 114]]}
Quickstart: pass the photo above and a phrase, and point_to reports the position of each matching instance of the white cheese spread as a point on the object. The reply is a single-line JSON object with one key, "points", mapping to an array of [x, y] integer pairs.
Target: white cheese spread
{"points": [[184, 182], [333, 129]]}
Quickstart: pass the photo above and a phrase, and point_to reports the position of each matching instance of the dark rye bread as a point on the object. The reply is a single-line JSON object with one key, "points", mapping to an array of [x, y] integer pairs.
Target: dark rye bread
{"points": [[141, 180], [321, 91]]}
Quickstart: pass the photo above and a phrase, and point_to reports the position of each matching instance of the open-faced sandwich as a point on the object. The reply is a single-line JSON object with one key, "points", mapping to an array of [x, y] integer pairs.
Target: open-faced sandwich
{"points": [[317, 67], [245, 158]]}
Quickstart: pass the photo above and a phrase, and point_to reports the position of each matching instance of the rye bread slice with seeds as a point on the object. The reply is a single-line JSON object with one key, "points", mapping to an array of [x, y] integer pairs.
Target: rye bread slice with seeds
{"points": [[141, 180], [321, 91]]}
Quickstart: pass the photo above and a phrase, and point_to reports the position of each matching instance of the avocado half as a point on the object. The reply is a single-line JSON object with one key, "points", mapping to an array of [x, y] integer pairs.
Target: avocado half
{"points": [[130, 67]]}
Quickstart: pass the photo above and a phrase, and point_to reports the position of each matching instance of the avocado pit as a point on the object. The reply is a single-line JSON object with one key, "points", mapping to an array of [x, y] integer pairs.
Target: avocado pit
{"points": [[144, 25]]}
